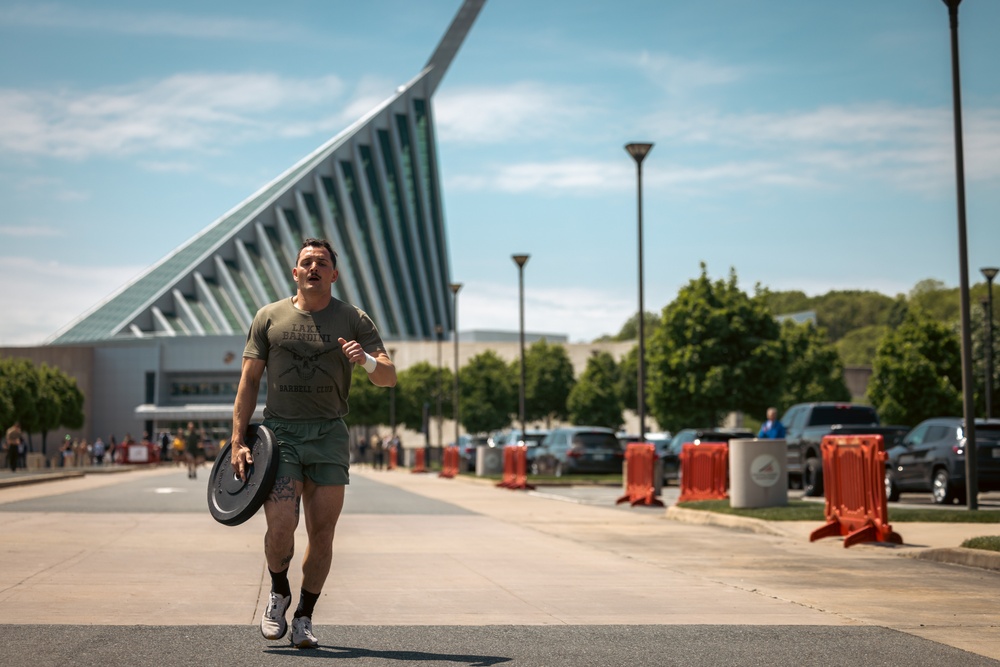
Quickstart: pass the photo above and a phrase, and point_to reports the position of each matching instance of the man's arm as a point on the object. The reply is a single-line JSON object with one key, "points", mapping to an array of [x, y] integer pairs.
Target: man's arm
{"points": [[384, 373], [243, 409]]}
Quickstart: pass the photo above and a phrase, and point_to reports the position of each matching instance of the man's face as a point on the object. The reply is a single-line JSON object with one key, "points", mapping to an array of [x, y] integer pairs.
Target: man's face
{"points": [[314, 271]]}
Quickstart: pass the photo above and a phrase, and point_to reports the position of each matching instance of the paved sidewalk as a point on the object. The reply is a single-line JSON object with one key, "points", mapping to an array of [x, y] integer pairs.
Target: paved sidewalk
{"points": [[460, 572]]}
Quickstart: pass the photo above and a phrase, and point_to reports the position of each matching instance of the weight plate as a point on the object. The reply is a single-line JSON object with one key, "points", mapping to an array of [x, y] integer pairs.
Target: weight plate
{"points": [[232, 500]]}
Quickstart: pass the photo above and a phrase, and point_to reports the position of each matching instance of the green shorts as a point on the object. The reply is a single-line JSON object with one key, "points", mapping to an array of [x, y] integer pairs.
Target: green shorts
{"points": [[318, 450]]}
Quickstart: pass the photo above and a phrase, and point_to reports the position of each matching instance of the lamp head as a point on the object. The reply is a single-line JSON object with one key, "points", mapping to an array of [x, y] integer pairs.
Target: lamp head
{"points": [[520, 259], [990, 272], [638, 151], [455, 287]]}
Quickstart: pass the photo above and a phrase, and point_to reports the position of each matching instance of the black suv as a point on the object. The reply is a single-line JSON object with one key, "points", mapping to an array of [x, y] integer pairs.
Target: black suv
{"points": [[932, 458]]}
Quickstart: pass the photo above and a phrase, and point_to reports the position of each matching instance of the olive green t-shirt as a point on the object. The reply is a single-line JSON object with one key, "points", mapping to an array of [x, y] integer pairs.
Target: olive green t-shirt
{"points": [[308, 374]]}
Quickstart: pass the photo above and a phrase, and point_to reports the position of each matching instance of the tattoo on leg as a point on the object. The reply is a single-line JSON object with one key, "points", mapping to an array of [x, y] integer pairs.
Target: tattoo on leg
{"points": [[284, 489], [286, 561]]}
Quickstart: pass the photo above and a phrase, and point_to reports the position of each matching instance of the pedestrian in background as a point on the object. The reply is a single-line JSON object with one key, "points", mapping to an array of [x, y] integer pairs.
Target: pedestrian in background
{"points": [[772, 429], [13, 442]]}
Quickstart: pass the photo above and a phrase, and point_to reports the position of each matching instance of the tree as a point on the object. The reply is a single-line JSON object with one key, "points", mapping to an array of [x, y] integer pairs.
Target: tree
{"points": [[841, 311], [369, 404], [489, 393], [596, 399], [857, 347], [628, 380], [813, 370], [19, 382], [548, 381], [717, 350], [630, 330], [418, 387], [917, 372]]}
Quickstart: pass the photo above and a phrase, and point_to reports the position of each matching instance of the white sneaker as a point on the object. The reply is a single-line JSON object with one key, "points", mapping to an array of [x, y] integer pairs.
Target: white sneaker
{"points": [[302, 633], [272, 623]]}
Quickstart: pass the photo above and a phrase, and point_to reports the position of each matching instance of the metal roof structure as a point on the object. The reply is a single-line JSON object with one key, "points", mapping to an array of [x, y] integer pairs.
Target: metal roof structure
{"points": [[373, 191]]}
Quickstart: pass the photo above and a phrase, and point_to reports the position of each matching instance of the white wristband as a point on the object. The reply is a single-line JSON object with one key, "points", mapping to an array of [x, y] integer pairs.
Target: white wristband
{"points": [[370, 363]]}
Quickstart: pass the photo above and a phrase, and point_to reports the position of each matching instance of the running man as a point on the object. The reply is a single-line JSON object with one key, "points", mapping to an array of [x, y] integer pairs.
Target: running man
{"points": [[309, 344]]}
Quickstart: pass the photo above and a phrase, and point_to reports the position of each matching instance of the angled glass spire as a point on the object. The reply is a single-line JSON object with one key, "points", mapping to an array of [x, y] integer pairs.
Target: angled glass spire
{"points": [[373, 191]]}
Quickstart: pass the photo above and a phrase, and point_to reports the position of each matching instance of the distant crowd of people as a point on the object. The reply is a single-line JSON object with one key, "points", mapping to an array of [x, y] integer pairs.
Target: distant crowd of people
{"points": [[188, 447], [374, 450]]}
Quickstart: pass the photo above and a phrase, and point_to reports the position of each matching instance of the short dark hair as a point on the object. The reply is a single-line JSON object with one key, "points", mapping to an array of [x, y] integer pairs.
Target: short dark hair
{"points": [[318, 243]]}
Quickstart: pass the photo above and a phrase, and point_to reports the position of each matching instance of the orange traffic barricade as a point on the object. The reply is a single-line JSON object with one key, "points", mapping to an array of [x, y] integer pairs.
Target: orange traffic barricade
{"points": [[449, 462], [418, 461], [393, 457], [854, 488], [704, 471], [515, 468], [640, 475]]}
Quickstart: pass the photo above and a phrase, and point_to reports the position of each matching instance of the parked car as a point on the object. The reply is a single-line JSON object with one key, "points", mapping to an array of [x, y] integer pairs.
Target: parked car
{"points": [[578, 449], [672, 456], [932, 458]]}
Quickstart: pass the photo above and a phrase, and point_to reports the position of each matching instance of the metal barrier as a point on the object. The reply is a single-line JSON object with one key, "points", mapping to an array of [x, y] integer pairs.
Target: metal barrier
{"points": [[640, 475], [515, 468], [704, 471], [854, 487], [450, 462]]}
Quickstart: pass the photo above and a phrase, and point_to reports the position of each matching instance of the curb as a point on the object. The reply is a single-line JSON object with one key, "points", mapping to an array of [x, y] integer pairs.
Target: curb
{"points": [[984, 560], [725, 520], [978, 558], [29, 478]]}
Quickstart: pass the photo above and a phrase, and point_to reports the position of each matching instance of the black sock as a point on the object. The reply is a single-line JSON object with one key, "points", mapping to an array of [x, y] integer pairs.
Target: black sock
{"points": [[279, 582], [307, 601]]}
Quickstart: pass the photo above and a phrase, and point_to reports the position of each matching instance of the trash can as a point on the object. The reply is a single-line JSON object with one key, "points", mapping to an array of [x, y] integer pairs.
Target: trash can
{"points": [[758, 473], [489, 460]]}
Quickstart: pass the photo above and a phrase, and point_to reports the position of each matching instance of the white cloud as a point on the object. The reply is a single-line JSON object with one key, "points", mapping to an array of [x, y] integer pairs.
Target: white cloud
{"points": [[582, 314], [517, 112], [185, 112], [31, 231], [173, 24], [909, 148], [680, 76], [50, 295]]}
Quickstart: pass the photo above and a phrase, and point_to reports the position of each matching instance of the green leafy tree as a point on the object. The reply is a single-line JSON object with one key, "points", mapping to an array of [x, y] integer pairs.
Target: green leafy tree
{"points": [[917, 372], [418, 387], [369, 403], [718, 350], [548, 381], [786, 303], [857, 347], [596, 399], [19, 382], [489, 393], [630, 330], [628, 380], [841, 311], [813, 370]]}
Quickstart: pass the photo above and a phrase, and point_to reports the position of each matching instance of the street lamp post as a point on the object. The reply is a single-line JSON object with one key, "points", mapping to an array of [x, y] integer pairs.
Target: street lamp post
{"points": [[454, 328], [439, 330], [638, 153], [392, 398], [521, 260], [969, 412], [990, 273]]}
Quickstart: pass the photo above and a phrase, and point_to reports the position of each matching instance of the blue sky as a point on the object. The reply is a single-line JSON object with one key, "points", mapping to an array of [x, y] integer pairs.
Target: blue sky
{"points": [[807, 145]]}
